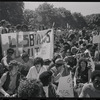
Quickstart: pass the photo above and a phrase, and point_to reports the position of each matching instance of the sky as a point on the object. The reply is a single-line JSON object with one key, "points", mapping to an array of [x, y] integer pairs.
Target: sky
{"points": [[85, 8]]}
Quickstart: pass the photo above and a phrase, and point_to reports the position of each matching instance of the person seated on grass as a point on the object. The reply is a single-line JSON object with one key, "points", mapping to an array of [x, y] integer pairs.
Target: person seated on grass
{"points": [[9, 81]]}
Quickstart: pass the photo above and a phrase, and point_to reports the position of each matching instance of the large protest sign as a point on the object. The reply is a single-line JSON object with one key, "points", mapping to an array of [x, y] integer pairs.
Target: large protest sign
{"points": [[38, 43], [96, 39], [65, 86]]}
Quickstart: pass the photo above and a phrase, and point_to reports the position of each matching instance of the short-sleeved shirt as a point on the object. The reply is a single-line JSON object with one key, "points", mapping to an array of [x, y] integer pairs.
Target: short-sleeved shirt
{"points": [[12, 84], [88, 90]]}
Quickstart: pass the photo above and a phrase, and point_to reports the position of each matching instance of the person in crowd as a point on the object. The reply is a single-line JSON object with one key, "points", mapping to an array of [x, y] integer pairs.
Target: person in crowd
{"points": [[30, 88], [9, 81], [60, 69], [3, 28], [5, 60], [47, 63], [82, 74], [8, 28], [27, 63], [37, 69], [52, 64], [48, 86], [92, 90], [18, 28], [24, 28], [88, 49], [1, 70]]}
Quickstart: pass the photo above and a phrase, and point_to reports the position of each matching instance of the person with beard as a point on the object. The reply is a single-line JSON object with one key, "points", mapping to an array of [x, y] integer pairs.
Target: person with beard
{"points": [[92, 89]]}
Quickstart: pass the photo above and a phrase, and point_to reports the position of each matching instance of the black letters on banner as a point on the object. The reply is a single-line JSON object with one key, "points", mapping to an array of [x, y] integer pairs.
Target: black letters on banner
{"points": [[26, 38]]}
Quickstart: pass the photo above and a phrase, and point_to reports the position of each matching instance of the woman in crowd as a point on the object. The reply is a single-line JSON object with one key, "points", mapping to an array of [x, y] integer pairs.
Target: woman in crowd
{"points": [[92, 89], [37, 69], [83, 72], [82, 75]]}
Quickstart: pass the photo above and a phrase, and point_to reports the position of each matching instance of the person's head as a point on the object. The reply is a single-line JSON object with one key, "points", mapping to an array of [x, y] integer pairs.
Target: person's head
{"points": [[45, 78], [25, 57], [10, 52], [82, 49], [89, 46], [18, 27], [13, 66], [56, 55], [82, 63], [3, 23], [47, 62], [74, 50], [59, 64], [24, 28], [95, 78], [30, 88], [38, 62]]}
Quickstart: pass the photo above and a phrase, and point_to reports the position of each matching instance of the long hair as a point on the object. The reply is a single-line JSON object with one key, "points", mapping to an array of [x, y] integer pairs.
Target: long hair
{"points": [[79, 64]]}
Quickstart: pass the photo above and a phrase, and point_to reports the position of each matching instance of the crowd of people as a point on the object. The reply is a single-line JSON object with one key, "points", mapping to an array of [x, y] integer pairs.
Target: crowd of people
{"points": [[35, 77]]}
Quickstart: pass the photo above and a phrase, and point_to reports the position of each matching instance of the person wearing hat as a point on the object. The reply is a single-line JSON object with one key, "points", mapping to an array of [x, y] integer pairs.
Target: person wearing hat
{"points": [[27, 63], [92, 90], [9, 81], [5, 60], [60, 69], [48, 86]]}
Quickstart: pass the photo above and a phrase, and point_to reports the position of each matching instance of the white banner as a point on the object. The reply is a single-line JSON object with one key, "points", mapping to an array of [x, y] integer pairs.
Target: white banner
{"points": [[65, 87], [34, 43]]}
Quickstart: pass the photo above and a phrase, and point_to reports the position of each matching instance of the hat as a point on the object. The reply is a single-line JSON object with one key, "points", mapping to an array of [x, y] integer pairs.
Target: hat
{"points": [[59, 61], [74, 49]]}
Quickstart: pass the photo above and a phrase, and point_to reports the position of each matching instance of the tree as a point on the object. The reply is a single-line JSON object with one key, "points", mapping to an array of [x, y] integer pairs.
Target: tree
{"points": [[12, 12]]}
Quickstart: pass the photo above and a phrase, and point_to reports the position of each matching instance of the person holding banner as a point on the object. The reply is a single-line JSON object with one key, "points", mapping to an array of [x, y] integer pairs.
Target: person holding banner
{"points": [[37, 69], [5, 60]]}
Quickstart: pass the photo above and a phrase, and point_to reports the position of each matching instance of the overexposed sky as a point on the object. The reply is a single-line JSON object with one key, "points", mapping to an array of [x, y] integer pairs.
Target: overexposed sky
{"points": [[85, 8]]}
